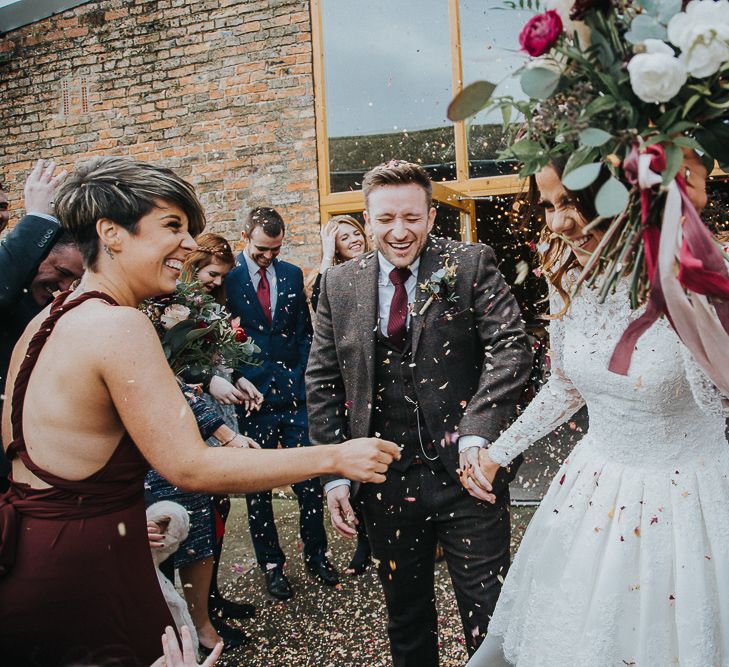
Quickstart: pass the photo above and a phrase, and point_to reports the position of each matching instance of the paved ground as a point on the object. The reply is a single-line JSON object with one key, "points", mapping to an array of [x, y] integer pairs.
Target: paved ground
{"points": [[320, 626]]}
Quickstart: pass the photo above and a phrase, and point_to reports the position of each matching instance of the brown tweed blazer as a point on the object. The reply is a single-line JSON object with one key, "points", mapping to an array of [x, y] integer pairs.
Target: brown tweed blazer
{"points": [[471, 359]]}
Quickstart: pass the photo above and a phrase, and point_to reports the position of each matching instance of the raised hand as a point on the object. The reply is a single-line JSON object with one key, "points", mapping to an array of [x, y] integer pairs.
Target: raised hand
{"points": [[341, 511], [328, 244], [40, 187], [366, 459]]}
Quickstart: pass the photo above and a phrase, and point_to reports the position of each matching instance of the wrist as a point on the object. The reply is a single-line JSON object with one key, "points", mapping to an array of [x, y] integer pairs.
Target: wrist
{"points": [[332, 459]]}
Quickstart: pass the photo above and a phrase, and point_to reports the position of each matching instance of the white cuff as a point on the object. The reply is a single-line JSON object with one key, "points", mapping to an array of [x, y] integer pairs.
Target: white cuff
{"points": [[468, 441], [335, 483]]}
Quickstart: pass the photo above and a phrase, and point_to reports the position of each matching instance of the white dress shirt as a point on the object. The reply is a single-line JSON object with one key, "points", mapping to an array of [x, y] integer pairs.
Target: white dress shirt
{"points": [[385, 294], [253, 269]]}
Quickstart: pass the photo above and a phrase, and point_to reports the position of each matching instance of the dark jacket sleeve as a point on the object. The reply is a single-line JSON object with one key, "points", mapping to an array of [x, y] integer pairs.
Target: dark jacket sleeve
{"points": [[303, 325], [325, 392], [21, 252], [315, 291], [507, 353], [208, 421]]}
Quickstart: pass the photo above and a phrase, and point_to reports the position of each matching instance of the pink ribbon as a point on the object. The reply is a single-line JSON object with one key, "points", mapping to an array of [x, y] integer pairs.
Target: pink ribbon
{"points": [[686, 268]]}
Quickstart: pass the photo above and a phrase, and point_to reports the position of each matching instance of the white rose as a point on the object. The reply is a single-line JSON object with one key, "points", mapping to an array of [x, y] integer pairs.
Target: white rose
{"points": [[174, 314], [702, 34], [656, 75], [563, 8]]}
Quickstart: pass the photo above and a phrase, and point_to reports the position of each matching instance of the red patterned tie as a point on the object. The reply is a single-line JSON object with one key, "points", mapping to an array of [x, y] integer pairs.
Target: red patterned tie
{"points": [[397, 324], [264, 294]]}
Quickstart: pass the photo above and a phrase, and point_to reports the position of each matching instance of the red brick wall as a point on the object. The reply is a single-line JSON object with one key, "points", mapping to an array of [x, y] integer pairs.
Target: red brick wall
{"points": [[219, 90]]}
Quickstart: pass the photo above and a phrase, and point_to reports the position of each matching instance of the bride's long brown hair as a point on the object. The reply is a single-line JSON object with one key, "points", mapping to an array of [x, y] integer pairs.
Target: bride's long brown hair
{"points": [[557, 258]]}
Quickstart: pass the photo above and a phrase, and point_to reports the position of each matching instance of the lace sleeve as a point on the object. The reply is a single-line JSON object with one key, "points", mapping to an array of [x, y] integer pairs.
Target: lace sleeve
{"points": [[706, 394], [555, 403]]}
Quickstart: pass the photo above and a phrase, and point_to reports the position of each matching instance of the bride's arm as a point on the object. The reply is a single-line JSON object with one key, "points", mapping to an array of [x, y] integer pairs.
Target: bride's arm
{"points": [[553, 405], [706, 394], [155, 414]]}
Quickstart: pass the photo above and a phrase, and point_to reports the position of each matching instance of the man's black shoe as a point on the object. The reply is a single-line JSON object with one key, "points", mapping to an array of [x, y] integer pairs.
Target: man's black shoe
{"points": [[320, 567], [277, 584], [361, 558], [221, 608]]}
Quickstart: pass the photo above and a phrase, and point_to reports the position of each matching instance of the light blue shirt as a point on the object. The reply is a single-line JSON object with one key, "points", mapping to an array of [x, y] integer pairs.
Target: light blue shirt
{"points": [[254, 269]]}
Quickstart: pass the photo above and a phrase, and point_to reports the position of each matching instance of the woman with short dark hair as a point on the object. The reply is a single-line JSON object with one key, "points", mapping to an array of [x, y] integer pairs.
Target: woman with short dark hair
{"points": [[92, 403]]}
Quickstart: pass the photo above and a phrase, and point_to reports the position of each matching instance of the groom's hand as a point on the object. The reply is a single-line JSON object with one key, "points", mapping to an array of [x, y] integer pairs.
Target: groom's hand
{"points": [[341, 511], [475, 477]]}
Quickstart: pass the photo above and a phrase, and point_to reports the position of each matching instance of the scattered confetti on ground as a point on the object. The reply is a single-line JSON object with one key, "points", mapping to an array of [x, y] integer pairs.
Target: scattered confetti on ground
{"points": [[322, 626]]}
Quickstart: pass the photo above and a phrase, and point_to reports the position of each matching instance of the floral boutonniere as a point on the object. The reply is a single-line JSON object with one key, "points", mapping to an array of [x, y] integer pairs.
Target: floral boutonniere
{"points": [[440, 285]]}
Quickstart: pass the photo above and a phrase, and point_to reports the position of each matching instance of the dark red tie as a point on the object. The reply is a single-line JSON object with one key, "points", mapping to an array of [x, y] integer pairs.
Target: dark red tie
{"points": [[397, 324], [264, 294]]}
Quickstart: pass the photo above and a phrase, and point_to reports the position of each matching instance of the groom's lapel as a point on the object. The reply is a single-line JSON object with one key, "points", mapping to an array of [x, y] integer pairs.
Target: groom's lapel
{"points": [[367, 314], [430, 261]]}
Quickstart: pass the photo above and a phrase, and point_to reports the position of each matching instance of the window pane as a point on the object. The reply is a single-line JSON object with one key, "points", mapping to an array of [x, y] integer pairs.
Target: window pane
{"points": [[387, 76], [490, 51]]}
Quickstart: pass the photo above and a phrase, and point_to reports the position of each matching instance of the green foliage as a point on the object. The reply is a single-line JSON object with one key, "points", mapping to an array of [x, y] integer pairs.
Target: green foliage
{"points": [[539, 82], [197, 333]]}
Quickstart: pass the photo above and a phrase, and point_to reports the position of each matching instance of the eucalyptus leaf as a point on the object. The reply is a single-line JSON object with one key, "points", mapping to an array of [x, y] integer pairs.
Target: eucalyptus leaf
{"points": [[526, 149], [197, 333], [581, 156], [582, 177], [593, 136], [688, 142], [645, 27], [674, 160], [602, 49], [506, 113], [667, 9], [470, 100], [539, 82], [611, 198], [600, 104]]}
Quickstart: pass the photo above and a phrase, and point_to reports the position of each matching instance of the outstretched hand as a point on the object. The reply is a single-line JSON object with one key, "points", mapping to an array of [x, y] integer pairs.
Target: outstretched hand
{"points": [[366, 459], [174, 657], [40, 187]]}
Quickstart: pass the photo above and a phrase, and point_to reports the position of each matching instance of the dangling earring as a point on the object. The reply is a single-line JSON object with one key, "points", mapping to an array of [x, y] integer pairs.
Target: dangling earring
{"points": [[108, 251]]}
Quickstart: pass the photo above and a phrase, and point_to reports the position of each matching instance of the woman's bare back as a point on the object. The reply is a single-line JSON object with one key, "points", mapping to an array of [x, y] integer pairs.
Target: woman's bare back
{"points": [[70, 424]]}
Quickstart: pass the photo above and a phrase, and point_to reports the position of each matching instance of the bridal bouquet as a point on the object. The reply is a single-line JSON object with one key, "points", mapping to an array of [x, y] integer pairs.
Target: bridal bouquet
{"points": [[620, 88], [198, 334]]}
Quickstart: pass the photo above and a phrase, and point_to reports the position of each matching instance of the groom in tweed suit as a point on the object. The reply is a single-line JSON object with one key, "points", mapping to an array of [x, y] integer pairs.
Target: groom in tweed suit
{"points": [[441, 377]]}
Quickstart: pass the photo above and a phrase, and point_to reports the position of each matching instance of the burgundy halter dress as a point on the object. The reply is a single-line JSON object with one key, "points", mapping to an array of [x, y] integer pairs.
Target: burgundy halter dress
{"points": [[77, 582]]}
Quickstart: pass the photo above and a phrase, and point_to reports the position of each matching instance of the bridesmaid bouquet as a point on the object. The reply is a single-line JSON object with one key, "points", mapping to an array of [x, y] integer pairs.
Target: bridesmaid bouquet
{"points": [[197, 333], [621, 88]]}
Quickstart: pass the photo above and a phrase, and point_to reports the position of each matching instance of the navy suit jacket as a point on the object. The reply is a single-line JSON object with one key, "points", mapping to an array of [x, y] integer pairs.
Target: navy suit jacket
{"points": [[285, 343]]}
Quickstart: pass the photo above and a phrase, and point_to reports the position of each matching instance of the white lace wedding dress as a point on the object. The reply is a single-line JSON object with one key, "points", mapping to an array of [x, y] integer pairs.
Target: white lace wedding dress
{"points": [[626, 561]]}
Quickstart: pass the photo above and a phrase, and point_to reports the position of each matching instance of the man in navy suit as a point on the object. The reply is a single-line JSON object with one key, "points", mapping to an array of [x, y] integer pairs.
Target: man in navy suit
{"points": [[268, 296]]}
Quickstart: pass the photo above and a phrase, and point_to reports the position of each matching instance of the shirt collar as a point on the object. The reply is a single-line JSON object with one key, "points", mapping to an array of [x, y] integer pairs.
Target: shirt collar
{"points": [[386, 267], [253, 268]]}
